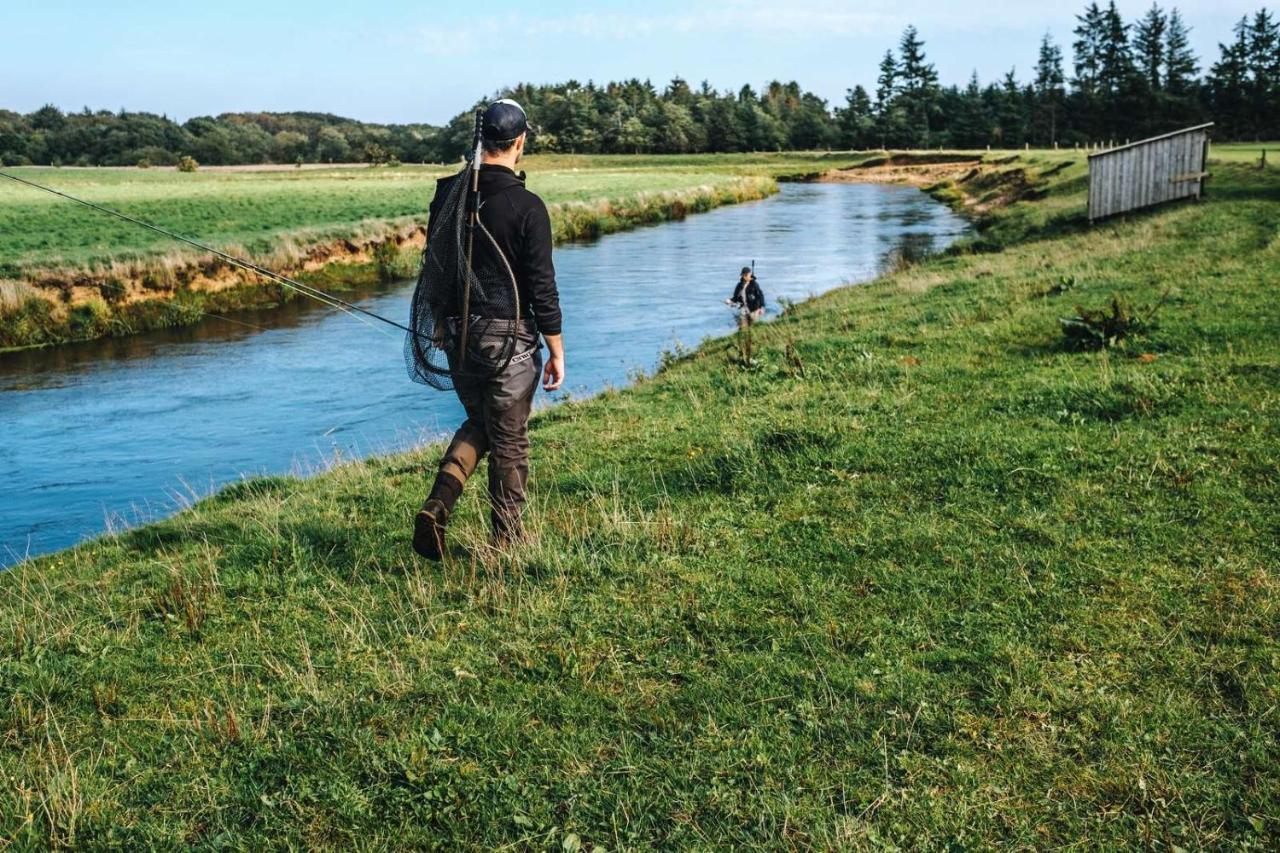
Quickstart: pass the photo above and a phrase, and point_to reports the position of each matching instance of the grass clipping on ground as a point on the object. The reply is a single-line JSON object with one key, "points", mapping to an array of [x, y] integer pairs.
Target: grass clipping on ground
{"points": [[924, 577]]}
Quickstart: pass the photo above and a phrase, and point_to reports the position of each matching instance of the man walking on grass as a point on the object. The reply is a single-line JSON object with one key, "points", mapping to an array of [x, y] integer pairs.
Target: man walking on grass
{"points": [[498, 405]]}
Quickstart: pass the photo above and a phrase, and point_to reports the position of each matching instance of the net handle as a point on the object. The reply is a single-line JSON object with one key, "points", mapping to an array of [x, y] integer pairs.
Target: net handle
{"points": [[473, 216]]}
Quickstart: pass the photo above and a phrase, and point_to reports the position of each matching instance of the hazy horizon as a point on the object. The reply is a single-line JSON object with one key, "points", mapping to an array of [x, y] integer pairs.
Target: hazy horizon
{"points": [[401, 63]]}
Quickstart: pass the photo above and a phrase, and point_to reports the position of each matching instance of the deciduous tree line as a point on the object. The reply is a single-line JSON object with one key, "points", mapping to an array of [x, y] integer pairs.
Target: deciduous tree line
{"points": [[1127, 79]]}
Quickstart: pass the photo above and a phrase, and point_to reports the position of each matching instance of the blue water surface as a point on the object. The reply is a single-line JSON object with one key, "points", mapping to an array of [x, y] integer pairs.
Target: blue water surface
{"points": [[111, 433]]}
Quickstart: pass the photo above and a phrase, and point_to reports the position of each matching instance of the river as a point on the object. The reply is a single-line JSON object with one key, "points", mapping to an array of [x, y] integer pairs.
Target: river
{"points": [[112, 433]]}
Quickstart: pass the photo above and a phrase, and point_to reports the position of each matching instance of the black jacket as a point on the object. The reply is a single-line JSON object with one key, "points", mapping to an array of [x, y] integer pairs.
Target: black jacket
{"points": [[754, 295], [520, 225]]}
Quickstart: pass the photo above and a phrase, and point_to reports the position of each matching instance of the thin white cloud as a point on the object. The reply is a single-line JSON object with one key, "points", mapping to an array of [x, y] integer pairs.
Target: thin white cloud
{"points": [[805, 18], [790, 18]]}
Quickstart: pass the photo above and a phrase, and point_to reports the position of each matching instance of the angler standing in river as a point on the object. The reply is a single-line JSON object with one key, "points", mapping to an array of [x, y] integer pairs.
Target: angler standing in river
{"points": [[748, 298], [486, 295]]}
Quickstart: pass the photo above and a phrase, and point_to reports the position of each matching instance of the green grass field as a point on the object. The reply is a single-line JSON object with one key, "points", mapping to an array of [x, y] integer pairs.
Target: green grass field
{"points": [[255, 210], [1247, 152], [923, 578]]}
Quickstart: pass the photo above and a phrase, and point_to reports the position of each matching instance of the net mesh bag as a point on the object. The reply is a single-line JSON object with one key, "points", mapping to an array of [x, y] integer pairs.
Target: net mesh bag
{"points": [[443, 346]]}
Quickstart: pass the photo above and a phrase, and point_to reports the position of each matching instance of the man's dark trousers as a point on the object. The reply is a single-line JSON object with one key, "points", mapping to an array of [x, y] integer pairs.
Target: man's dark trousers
{"points": [[498, 424]]}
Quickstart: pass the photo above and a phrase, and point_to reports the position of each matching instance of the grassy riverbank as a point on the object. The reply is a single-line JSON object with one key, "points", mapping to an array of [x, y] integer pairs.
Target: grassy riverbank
{"points": [[70, 273], [925, 577], [256, 210]]}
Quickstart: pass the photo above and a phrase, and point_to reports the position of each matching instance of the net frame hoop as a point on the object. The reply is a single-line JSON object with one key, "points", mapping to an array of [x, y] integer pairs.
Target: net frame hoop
{"points": [[421, 353]]}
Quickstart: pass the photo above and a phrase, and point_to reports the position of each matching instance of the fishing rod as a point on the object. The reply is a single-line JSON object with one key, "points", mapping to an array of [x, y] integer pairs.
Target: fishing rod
{"points": [[473, 216], [305, 289]]}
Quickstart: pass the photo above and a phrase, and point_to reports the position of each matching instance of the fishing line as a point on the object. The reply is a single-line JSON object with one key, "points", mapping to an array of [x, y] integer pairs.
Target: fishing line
{"points": [[247, 325], [233, 320], [305, 289]]}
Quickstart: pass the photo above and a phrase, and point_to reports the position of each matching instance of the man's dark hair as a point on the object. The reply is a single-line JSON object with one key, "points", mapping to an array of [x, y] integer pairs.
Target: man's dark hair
{"points": [[491, 147]]}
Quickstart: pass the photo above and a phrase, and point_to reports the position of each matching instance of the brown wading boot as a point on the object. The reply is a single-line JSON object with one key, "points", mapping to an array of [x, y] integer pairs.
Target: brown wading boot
{"points": [[428, 529]]}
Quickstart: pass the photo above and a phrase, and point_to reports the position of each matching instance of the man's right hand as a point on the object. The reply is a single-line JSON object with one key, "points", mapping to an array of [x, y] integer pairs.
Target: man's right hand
{"points": [[553, 373]]}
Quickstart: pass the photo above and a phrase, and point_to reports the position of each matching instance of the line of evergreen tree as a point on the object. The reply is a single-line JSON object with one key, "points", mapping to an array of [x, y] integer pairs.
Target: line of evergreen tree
{"points": [[1127, 80]]}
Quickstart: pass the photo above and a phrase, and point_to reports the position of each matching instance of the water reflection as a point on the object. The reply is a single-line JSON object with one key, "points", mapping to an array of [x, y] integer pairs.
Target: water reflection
{"points": [[119, 431], [37, 368], [911, 248]]}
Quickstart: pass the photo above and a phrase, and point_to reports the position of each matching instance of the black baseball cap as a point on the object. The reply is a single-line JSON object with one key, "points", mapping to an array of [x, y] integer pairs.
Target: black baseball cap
{"points": [[504, 120]]}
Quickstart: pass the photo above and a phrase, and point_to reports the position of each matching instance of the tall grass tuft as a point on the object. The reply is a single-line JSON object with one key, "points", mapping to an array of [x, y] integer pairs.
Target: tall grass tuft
{"points": [[13, 294]]}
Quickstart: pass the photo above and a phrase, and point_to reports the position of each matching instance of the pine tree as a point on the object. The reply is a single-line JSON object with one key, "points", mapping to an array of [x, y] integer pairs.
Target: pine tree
{"points": [[886, 82], [1090, 34], [1013, 112], [1149, 43], [722, 128], [919, 86], [1180, 64], [1050, 92], [855, 119], [972, 128], [817, 127], [1264, 74], [1116, 69], [1228, 84], [887, 114], [1182, 100], [678, 92], [1087, 59], [1126, 109]]}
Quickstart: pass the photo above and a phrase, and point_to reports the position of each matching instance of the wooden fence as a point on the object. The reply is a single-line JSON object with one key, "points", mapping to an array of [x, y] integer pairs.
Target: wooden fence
{"points": [[1151, 171]]}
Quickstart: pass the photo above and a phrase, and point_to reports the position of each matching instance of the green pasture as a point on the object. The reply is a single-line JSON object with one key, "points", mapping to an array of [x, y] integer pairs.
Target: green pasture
{"points": [[256, 210], [1246, 152]]}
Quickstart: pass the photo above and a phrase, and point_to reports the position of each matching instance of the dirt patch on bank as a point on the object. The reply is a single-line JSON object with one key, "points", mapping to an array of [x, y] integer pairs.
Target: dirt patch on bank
{"points": [[970, 183], [899, 170], [125, 283]]}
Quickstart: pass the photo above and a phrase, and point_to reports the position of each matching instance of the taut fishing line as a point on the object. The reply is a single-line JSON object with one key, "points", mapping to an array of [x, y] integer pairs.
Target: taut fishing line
{"points": [[297, 286]]}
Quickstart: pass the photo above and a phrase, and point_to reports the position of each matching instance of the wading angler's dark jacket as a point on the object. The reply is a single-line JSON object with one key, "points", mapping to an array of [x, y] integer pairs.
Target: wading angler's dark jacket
{"points": [[749, 292], [521, 227]]}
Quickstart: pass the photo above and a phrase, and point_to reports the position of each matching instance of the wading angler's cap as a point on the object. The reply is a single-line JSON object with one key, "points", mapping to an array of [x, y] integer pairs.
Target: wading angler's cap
{"points": [[504, 120]]}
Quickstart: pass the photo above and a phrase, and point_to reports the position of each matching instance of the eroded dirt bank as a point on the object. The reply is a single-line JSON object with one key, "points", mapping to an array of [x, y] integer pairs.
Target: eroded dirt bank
{"points": [[968, 182], [124, 283]]}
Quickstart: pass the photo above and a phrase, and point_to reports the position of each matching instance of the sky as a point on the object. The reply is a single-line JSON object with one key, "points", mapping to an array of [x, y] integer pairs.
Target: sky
{"points": [[396, 61]]}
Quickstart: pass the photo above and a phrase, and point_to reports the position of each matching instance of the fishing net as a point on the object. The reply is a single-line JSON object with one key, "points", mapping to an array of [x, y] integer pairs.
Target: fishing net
{"points": [[441, 347]]}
